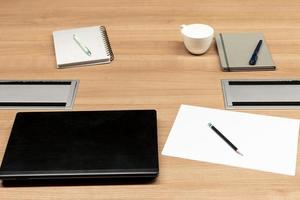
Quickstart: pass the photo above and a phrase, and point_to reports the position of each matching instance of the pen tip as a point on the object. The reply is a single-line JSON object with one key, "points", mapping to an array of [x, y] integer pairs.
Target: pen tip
{"points": [[209, 124], [239, 153]]}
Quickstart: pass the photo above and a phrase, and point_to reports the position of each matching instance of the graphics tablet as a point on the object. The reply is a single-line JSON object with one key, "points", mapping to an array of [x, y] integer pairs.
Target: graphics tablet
{"points": [[82, 144]]}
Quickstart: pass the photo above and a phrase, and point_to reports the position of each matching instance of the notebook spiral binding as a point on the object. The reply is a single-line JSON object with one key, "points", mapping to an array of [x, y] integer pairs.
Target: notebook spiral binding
{"points": [[108, 48]]}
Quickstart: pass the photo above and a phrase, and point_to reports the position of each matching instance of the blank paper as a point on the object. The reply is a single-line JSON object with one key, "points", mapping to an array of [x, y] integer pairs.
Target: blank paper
{"points": [[267, 143]]}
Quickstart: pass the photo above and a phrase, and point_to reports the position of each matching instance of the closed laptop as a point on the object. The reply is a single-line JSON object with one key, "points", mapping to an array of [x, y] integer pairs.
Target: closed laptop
{"points": [[82, 144]]}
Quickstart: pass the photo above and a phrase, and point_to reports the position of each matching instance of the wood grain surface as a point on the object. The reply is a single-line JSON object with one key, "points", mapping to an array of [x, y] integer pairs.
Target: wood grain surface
{"points": [[152, 69]]}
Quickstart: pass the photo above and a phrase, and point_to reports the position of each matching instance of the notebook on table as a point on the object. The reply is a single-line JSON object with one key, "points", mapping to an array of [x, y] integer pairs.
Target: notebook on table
{"points": [[82, 46], [82, 145], [236, 49]]}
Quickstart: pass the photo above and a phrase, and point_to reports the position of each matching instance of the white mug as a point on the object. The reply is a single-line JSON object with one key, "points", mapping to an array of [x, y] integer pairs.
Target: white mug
{"points": [[197, 38]]}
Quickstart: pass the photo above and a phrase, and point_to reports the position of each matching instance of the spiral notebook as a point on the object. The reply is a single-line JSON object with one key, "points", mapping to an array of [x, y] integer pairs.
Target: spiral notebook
{"points": [[82, 46]]}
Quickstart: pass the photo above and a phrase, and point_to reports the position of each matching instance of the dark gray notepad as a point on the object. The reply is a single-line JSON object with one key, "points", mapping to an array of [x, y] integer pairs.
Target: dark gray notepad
{"points": [[235, 50]]}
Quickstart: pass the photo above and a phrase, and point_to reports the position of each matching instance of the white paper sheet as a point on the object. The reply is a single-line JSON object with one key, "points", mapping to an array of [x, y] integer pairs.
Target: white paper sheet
{"points": [[267, 143]]}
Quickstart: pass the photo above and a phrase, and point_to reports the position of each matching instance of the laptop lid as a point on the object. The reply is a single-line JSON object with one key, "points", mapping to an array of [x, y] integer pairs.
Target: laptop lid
{"points": [[82, 144]]}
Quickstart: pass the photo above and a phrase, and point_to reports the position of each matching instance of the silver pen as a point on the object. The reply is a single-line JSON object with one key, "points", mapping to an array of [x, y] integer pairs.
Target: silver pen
{"points": [[82, 46]]}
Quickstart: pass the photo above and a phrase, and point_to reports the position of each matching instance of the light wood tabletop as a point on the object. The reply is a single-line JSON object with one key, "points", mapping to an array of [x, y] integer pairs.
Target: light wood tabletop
{"points": [[152, 70]]}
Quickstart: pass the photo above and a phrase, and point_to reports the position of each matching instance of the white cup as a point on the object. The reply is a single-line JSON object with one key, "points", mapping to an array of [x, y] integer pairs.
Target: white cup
{"points": [[197, 38]]}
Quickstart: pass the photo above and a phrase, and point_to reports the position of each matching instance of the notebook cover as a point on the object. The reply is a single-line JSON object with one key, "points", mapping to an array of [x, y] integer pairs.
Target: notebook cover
{"points": [[70, 46], [82, 144], [235, 50]]}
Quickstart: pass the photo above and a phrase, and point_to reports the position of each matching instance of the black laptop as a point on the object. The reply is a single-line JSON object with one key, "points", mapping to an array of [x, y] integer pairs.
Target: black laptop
{"points": [[82, 144]]}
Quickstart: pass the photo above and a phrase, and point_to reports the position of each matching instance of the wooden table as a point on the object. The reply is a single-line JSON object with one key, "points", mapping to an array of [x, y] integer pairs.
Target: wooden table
{"points": [[153, 70]]}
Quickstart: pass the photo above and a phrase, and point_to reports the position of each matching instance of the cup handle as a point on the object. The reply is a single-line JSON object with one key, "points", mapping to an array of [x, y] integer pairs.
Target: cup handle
{"points": [[182, 26]]}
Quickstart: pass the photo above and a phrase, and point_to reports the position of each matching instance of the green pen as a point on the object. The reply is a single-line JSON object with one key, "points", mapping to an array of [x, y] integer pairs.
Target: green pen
{"points": [[82, 46]]}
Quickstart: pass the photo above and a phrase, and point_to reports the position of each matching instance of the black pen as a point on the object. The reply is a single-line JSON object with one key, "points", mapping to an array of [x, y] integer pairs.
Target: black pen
{"points": [[254, 56], [224, 138]]}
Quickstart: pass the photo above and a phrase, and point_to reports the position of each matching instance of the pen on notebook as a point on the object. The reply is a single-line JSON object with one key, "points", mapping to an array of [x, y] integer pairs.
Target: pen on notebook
{"points": [[224, 138], [254, 56], [81, 45]]}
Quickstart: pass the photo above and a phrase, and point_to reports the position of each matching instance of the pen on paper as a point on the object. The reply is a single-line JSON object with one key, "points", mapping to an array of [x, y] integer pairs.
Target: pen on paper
{"points": [[81, 45], [254, 56], [224, 138]]}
